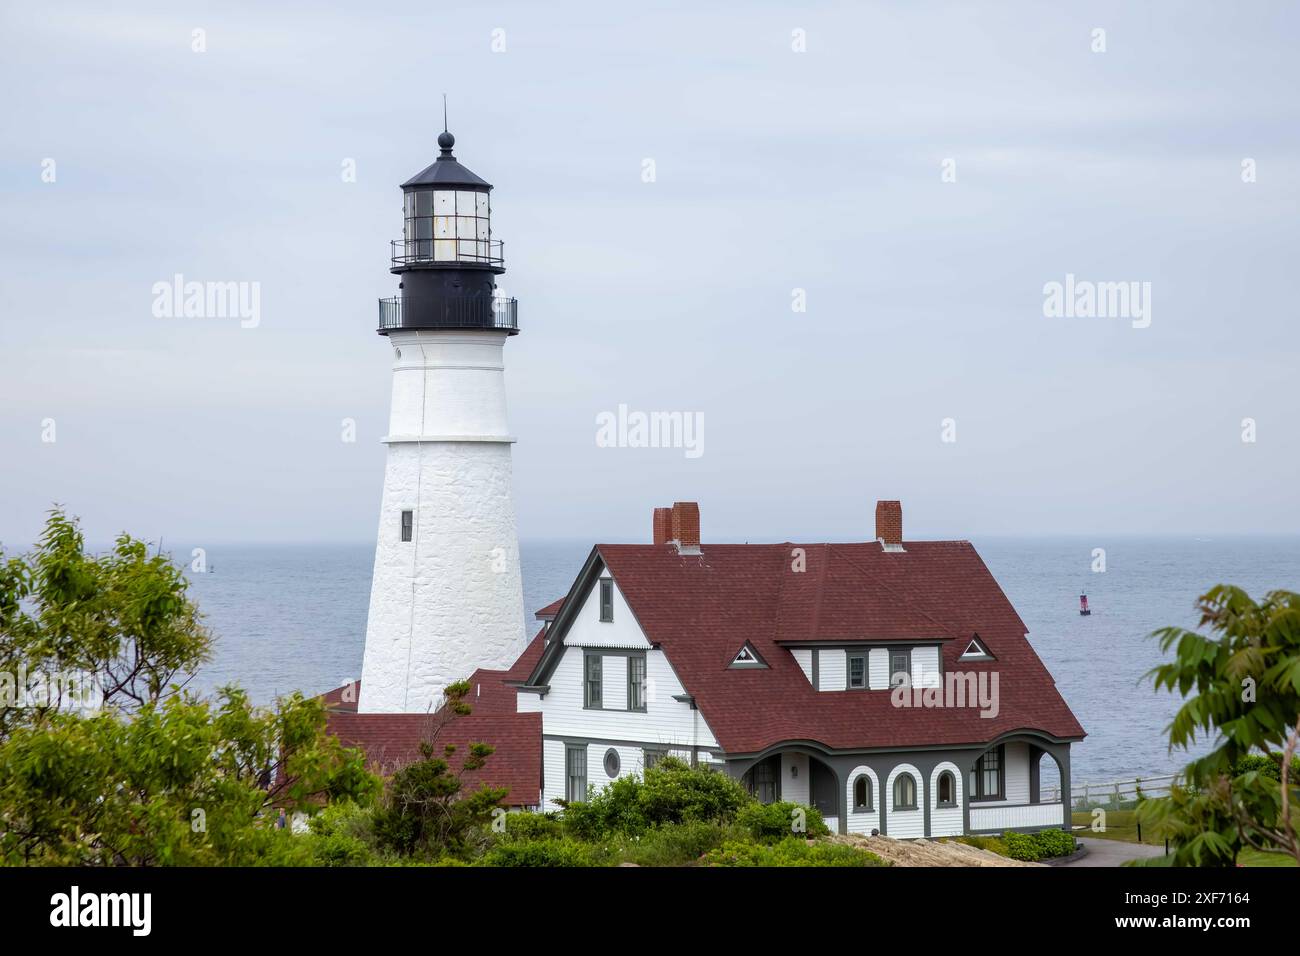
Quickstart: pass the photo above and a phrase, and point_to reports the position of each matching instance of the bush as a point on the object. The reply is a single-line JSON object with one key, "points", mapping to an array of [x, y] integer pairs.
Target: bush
{"points": [[674, 792], [792, 851], [1266, 765], [770, 822], [1054, 843], [342, 835], [677, 844], [563, 852], [1022, 846], [992, 844], [532, 826], [671, 792]]}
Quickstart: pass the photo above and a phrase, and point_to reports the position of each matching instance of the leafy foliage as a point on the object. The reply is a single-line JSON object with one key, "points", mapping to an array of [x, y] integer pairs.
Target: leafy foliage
{"points": [[770, 822], [122, 620], [792, 851], [1242, 687], [423, 810], [184, 782]]}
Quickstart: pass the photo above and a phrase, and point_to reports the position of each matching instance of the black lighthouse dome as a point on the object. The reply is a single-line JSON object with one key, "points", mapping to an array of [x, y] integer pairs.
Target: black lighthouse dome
{"points": [[447, 257]]}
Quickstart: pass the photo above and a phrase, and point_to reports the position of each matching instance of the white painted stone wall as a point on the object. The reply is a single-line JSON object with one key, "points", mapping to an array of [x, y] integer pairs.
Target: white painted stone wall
{"points": [[450, 600]]}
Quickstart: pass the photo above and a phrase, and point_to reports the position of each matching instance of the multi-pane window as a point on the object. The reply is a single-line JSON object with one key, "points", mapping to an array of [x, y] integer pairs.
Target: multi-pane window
{"points": [[862, 793], [636, 682], [652, 755], [448, 225], [763, 781], [408, 525], [575, 774], [904, 792], [857, 670], [592, 682], [900, 663], [606, 599], [988, 775]]}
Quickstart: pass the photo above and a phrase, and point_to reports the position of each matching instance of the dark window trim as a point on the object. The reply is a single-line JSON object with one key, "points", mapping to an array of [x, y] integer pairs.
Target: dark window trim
{"points": [[657, 753], [915, 792], [938, 801], [613, 753], [631, 684], [870, 789], [569, 750], [865, 657], [977, 792], [407, 525], [606, 600], [587, 677], [898, 649]]}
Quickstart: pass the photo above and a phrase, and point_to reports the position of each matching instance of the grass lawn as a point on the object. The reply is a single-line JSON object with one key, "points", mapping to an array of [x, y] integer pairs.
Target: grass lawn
{"points": [[1121, 825]]}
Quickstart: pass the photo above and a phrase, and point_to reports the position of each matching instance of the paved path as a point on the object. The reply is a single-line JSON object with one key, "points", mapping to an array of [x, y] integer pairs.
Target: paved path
{"points": [[1113, 852]]}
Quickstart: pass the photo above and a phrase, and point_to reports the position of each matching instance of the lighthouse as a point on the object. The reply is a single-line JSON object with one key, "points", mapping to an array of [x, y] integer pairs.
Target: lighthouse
{"points": [[446, 596]]}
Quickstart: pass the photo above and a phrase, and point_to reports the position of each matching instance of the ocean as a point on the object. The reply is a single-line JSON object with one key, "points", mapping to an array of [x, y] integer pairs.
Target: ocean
{"points": [[293, 617]]}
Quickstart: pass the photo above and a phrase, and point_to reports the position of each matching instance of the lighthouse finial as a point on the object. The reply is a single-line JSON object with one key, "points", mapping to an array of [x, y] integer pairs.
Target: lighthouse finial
{"points": [[445, 140]]}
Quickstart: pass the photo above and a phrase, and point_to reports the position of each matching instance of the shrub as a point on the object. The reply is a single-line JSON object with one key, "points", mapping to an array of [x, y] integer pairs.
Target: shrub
{"points": [[1054, 843], [792, 851], [674, 792], [992, 844], [677, 844], [342, 835], [563, 852], [671, 792], [770, 822], [532, 826], [1022, 846]]}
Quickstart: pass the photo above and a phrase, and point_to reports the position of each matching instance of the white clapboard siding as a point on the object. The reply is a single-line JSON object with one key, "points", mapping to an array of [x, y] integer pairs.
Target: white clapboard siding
{"points": [[588, 630], [794, 786], [863, 821], [905, 824], [1011, 818], [832, 669], [946, 821], [878, 668], [552, 773], [613, 682], [629, 759], [664, 721], [803, 657], [925, 667]]}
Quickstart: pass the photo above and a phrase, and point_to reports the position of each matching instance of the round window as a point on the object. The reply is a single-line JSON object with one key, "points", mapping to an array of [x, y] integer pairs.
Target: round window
{"points": [[611, 762]]}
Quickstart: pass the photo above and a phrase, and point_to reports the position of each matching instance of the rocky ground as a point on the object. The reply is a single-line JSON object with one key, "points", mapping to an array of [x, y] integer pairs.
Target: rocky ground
{"points": [[927, 852]]}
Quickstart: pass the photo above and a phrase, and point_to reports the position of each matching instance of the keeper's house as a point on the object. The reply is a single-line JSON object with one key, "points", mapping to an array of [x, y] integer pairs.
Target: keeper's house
{"points": [[888, 683]]}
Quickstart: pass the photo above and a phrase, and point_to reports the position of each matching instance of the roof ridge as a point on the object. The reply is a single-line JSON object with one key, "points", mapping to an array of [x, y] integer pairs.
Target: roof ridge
{"points": [[902, 597]]}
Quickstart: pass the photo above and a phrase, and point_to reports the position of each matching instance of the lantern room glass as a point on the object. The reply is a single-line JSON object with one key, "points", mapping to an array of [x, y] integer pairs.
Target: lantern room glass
{"points": [[448, 225]]}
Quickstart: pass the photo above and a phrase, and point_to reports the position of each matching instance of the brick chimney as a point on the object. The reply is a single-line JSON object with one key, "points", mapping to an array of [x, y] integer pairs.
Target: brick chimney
{"points": [[889, 524], [679, 526], [663, 525]]}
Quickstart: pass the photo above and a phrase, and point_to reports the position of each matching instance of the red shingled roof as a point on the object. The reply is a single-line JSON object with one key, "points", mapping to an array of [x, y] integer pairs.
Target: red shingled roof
{"points": [[391, 741], [548, 613], [702, 609]]}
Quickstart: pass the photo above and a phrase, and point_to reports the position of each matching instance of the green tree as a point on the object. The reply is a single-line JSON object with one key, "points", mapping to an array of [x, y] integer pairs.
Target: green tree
{"points": [[121, 622], [423, 811], [181, 782], [1242, 688]]}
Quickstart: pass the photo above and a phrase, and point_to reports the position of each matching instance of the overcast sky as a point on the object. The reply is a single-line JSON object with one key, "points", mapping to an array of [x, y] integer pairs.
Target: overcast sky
{"points": [[775, 170]]}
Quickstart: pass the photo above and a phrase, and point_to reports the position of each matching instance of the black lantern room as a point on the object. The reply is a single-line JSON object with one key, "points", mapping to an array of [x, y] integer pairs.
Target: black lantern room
{"points": [[447, 260]]}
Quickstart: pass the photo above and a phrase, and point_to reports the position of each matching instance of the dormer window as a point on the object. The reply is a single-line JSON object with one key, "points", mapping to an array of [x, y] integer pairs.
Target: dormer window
{"points": [[607, 599], [900, 663], [857, 671], [976, 651], [747, 657]]}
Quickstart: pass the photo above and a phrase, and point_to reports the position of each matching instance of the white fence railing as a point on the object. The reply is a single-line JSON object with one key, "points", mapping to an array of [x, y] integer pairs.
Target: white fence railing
{"points": [[1114, 793], [1015, 817]]}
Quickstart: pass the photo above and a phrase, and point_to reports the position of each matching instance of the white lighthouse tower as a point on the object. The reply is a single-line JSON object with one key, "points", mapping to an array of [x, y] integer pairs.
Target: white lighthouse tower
{"points": [[446, 596]]}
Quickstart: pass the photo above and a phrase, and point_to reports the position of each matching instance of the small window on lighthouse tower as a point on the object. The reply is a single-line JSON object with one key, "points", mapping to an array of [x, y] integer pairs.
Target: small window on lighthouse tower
{"points": [[408, 524]]}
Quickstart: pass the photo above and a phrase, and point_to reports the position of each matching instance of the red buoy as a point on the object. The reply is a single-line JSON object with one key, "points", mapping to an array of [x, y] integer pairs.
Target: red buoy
{"points": [[1083, 605]]}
